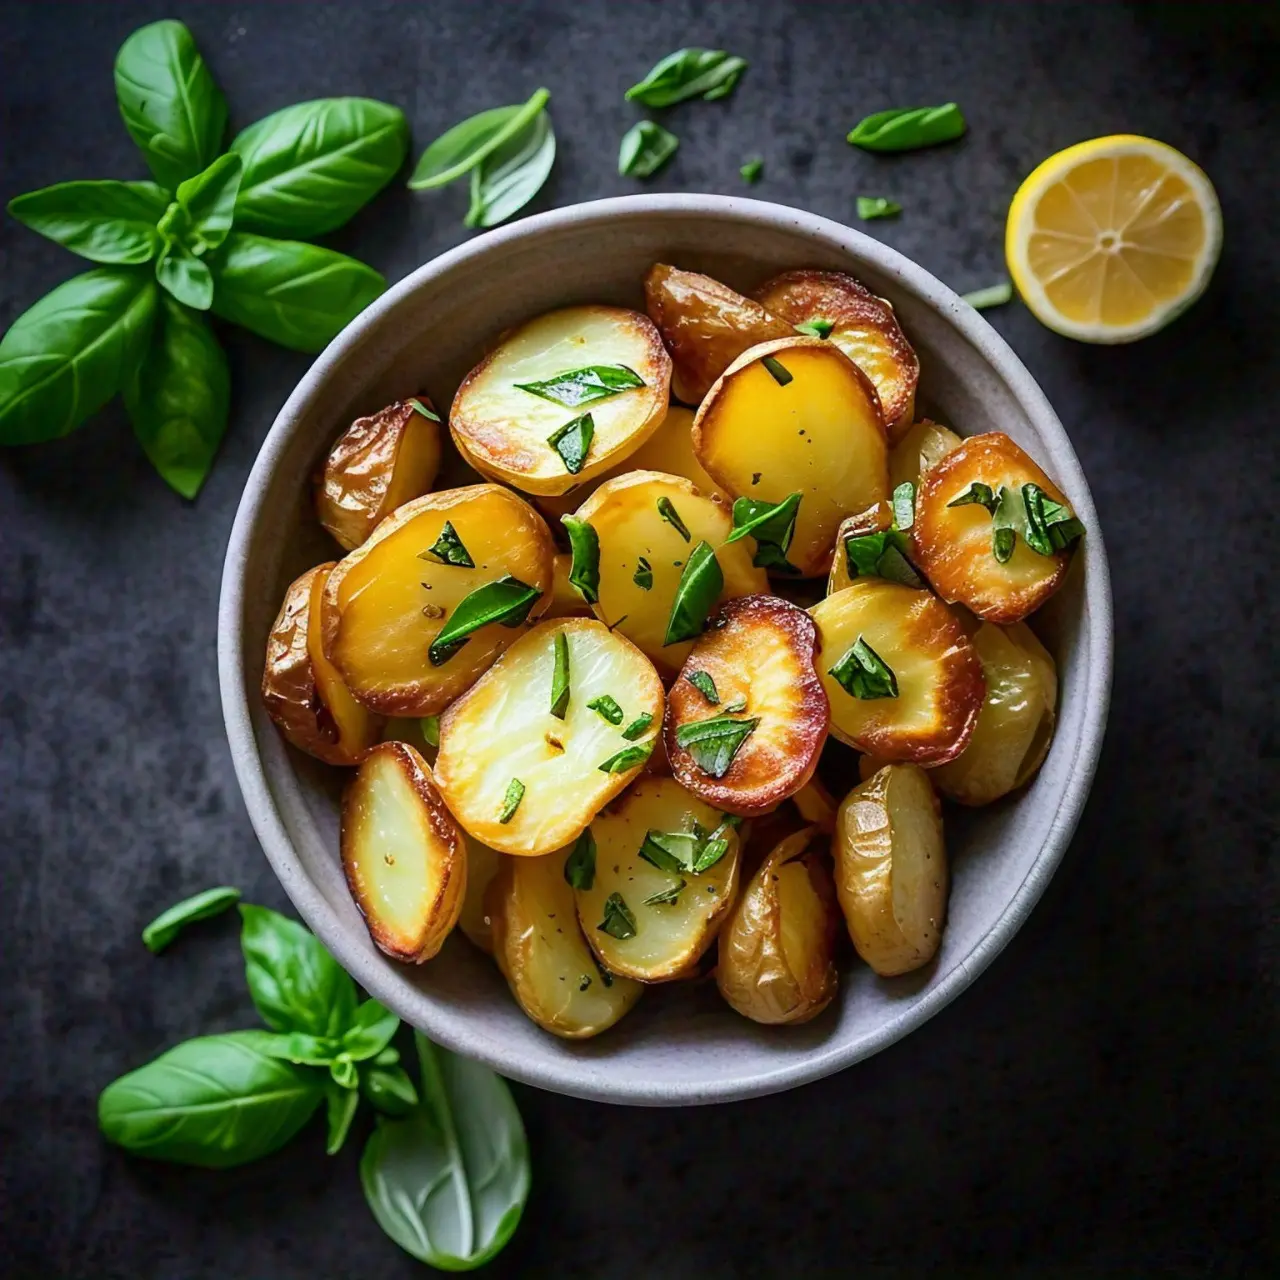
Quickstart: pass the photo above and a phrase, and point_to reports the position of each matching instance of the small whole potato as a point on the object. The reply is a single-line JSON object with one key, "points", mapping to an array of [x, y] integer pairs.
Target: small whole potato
{"points": [[925, 444]]}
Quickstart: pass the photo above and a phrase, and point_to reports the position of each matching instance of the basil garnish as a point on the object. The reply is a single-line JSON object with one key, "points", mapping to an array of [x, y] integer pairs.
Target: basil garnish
{"points": [[816, 328], [418, 407], [618, 920], [711, 852], [643, 576], [863, 673], [607, 707], [430, 726], [638, 726], [670, 850], [714, 743], [777, 370], [995, 295], [1009, 516], [699, 588], [666, 509], [572, 441], [471, 141], [168, 924], [872, 207], [1051, 526], [508, 601], [584, 573], [511, 801], [560, 677], [689, 73], [645, 148], [976, 492], [752, 170], [665, 897], [881, 555], [507, 179], [705, 685], [906, 129], [904, 505], [772, 525], [627, 758], [448, 548], [581, 386], [1046, 526], [580, 865]]}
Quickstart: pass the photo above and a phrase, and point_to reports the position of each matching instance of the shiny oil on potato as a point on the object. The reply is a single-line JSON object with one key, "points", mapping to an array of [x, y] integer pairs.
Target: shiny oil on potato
{"points": [[934, 672], [925, 444], [797, 416], [521, 778], [505, 430], [387, 601], [891, 869], [403, 855]]}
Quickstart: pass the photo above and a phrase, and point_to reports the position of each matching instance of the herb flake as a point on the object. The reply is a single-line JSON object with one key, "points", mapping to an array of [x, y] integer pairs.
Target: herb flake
{"points": [[816, 328], [645, 148], [705, 685], [430, 726], [584, 572], [752, 170], [607, 708], [618, 922], [667, 510], [573, 441], [511, 801], [508, 601], [666, 897], [995, 295], [418, 407], [643, 576], [577, 387], [714, 743], [872, 207], [449, 549], [580, 865], [777, 370], [864, 674], [628, 758], [638, 726], [560, 676]]}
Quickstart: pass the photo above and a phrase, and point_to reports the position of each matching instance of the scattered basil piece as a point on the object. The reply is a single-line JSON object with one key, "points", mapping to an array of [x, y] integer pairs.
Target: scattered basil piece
{"points": [[734, 707], [881, 555], [705, 685], [777, 370], [572, 442], [618, 922], [638, 726], [580, 865], [714, 743], [388, 1089], [110, 222], [1009, 516], [995, 295], [511, 801], [448, 548], [864, 674], [751, 172], [976, 492], [667, 510], [872, 207], [560, 676], [670, 850], [701, 582], [816, 328], [511, 175], [607, 707], [1050, 524], [772, 525], [471, 141], [689, 73], [711, 852], [302, 1048], [430, 726], [576, 387], [904, 505], [645, 148], [342, 1105], [200, 906], [908, 128], [628, 758], [643, 576], [584, 572], [666, 897], [418, 407], [508, 601]]}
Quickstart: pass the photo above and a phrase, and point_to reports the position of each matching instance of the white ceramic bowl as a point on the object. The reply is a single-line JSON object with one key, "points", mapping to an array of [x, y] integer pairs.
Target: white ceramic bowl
{"points": [[681, 1044]]}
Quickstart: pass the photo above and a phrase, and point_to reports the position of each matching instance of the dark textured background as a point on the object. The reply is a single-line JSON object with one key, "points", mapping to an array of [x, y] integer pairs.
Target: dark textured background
{"points": [[1103, 1096]]}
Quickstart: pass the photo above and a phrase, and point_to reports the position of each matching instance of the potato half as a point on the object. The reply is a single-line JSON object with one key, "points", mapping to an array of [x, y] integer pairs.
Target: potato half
{"points": [[777, 952], [643, 553], [891, 869], [303, 691], [551, 970], [503, 731], [404, 856], [953, 544], [812, 426], [925, 444], [565, 600], [936, 668], [864, 328], [483, 865], [377, 465], [757, 655], [676, 914], [504, 429], [816, 805], [387, 601]]}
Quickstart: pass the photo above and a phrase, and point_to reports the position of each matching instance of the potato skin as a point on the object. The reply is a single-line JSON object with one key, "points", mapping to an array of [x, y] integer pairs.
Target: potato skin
{"points": [[924, 445], [483, 864]]}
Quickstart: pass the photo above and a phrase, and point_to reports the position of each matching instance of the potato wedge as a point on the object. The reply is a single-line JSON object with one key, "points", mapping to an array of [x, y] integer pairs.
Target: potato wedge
{"points": [[483, 865], [565, 600], [891, 869], [505, 428], [386, 603], [811, 427], [375, 466], [705, 325], [551, 970], [925, 444], [757, 655], [643, 553], [953, 545], [674, 914], [523, 780], [777, 952], [864, 328], [403, 855], [303, 691], [816, 805], [936, 670]]}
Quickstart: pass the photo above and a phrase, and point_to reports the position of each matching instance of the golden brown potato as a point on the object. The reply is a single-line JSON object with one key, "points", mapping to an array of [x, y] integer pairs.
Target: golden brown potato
{"points": [[925, 444], [509, 431], [955, 545], [864, 328], [757, 659], [816, 805], [706, 326], [521, 778], [777, 953], [551, 971], [403, 854], [797, 416], [483, 864], [891, 869], [303, 691], [377, 465], [566, 602], [903, 679], [388, 601]]}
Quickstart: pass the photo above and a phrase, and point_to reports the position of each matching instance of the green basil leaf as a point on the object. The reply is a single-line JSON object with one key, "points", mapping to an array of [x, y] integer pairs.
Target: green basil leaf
{"points": [[619, 921], [670, 850], [714, 743], [995, 295], [701, 582], [301, 1048], [343, 1072], [308, 168], [511, 801], [1007, 520], [388, 1057], [448, 548], [298, 295], [607, 708], [904, 505], [906, 129], [209, 200], [449, 1182], [575, 387], [711, 852], [507, 179], [645, 148], [200, 906], [772, 525], [65, 357], [816, 328], [389, 1089], [185, 276], [507, 600], [665, 897], [751, 172], [705, 685], [430, 726], [170, 104], [881, 555], [638, 726], [216, 1102], [1037, 531], [689, 73], [643, 576], [341, 1111], [580, 865], [584, 572], [628, 758], [471, 141], [976, 492], [863, 673], [101, 221], [777, 370], [872, 207], [370, 1031], [667, 510], [573, 441], [560, 677]]}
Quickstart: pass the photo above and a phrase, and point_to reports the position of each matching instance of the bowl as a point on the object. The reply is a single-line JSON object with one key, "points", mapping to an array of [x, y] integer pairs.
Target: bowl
{"points": [[680, 1045]]}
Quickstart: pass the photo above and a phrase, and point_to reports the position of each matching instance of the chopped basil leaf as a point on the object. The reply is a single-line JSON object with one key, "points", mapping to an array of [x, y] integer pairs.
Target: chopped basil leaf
{"points": [[863, 673], [752, 170], [430, 726], [560, 677], [580, 865], [689, 73], [705, 685], [714, 743], [1009, 516], [422, 409], [508, 601], [895, 567], [638, 726], [734, 707], [904, 505], [1051, 526], [584, 573], [643, 576], [665, 897], [670, 850], [995, 295], [582, 386], [816, 328], [907, 128], [777, 370], [618, 921], [976, 492], [881, 555], [572, 442], [710, 853], [645, 148], [628, 758], [772, 525], [872, 207], [666, 509], [606, 706], [699, 588], [448, 548], [511, 801]]}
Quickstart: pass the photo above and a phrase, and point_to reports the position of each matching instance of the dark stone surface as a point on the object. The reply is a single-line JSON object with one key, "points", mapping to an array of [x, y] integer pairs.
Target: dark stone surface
{"points": [[1103, 1097]]}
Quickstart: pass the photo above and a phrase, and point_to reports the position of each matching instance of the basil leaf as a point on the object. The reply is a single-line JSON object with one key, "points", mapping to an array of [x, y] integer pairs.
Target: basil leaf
{"points": [[370, 1031], [584, 572], [185, 276], [645, 148], [449, 1182], [816, 328], [430, 726], [881, 555], [507, 179], [575, 387], [689, 73], [572, 442], [560, 677], [752, 171], [872, 207], [298, 295], [449, 549], [607, 707], [471, 141], [863, 673], [643, 576], [777, 370], [508, 601], [638, 726], [216, 1102], [418, 407], [670, 850], [628, 758], [301, 1048], [665, 897], [511, 801], [389, 1090], [906, 129], [342, 1071], [618, 922], [667, 510], [771, 524], [171, 106], [200, 906], [295, 984], [341, 1110], [308, 168], [705, 685], [209, 200], [714, 743], [101, 221], [701, 582], [711, 852], [388, 1057], [976, 492], [580, 865], [904, 505], [1007, 520], [65, 357], [995, 295]]}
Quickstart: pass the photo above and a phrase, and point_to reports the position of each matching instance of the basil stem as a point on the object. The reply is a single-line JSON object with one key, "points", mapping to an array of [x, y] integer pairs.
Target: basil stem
{"points": [[471, 141], [777, 370], [580, 865], [699, 588], [418, 407], [714, 743], [689, 73], [863, 673], [906, 129], [995, 295], [560, 677], [607, 708], [168, 924], [584, 572], [638, 726], [449, 549], [816, 328], [511, 801], [582, 386], [645, 148], [643, 576], [618, 922], [667, 510], [572, 442], [508, 601], [705, 685], [872, 207], [628, 758], [665, 897], [904, 505], [752, 172]]}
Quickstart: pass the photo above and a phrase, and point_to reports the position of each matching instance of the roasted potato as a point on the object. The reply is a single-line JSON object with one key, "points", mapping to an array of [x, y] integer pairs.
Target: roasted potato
{"points": [[483, 864], [955, 545], [565, 600], [643, 554], [377, 465], [816, 805], [876, 519], [404, 856], [705, 325], [903, 678], [811, 426], [891, 869], [551, 970], [922, 448], [303, 691], [648, 922], [386, 603], [777, 952], [864, 327], [756, 659], [508, 431], [523, 779]]}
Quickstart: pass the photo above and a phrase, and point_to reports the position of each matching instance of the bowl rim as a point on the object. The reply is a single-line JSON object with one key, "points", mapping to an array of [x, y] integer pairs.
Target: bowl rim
{"points": [[586, 1080]]}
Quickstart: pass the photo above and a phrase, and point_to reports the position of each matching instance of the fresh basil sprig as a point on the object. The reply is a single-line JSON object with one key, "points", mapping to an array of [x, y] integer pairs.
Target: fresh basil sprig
{"points": [[714, 743], [200, 906], [907, 129], [645, 148], [872, 207], [584, 571], [701, 582], [864, 674], [576, 387], [689, 73], [507, 600]]}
